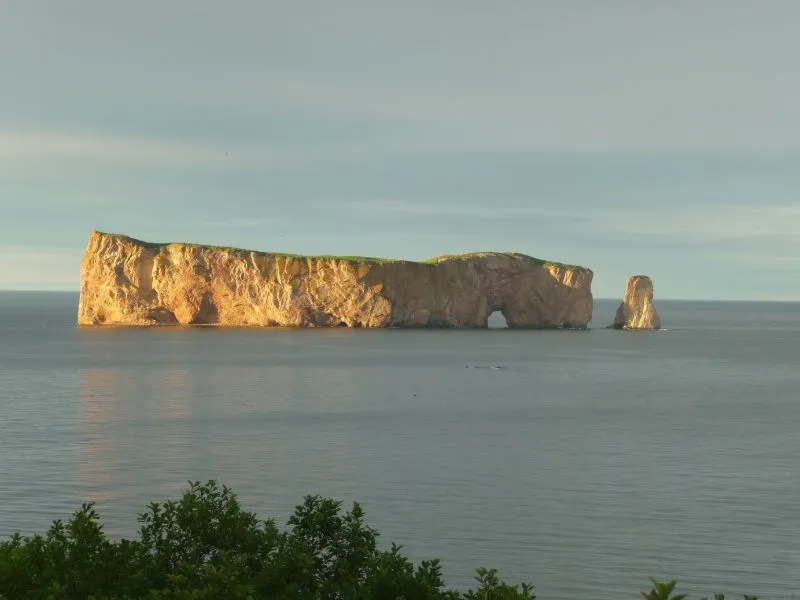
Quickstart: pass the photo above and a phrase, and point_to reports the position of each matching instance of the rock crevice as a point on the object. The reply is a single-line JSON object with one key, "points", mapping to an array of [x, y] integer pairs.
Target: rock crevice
{"points": [[125, 281]]}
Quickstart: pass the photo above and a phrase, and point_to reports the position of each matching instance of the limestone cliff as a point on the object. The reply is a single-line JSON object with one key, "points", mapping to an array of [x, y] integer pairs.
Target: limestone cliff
{"points": [[637, 311], [129, 282]]}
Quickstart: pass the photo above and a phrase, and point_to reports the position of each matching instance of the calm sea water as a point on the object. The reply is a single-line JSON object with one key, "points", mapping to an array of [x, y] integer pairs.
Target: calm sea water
{"points": [[586, 463]]}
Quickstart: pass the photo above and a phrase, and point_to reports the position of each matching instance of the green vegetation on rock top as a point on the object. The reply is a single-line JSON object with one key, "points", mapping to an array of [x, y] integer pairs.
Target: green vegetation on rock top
{"points": [[354, 259], [517, 255]]}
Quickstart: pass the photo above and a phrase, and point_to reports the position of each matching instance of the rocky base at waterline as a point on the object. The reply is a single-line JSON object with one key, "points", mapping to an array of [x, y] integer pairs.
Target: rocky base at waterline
{"points": [[637, 310], [125, 281]]}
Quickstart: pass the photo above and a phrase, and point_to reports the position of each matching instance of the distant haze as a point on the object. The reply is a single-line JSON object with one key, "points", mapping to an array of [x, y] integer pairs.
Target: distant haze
{"points": [[627, 136]]}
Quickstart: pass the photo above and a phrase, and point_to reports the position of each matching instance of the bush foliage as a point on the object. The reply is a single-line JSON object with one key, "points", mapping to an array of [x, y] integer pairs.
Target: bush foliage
{"points": [[204, 546]]}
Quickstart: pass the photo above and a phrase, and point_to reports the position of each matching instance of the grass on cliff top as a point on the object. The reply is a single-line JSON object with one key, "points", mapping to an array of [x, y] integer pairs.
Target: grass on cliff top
{"points": [[517, 255], [355, 259]]}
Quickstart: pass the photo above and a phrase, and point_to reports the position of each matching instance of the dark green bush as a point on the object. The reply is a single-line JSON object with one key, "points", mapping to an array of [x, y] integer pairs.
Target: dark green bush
{"points": [[205, 546]]}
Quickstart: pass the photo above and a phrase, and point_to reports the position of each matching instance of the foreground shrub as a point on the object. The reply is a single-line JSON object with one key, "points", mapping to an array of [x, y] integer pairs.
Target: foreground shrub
{"points": [[204, 546]]}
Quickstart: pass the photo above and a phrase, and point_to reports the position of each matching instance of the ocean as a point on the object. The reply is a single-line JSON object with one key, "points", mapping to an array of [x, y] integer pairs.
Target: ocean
{"points": [[582, 461]]}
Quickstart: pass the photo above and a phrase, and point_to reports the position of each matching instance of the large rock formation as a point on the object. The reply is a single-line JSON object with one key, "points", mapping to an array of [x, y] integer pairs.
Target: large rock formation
{"points": [[129, 282], [636, 311]]}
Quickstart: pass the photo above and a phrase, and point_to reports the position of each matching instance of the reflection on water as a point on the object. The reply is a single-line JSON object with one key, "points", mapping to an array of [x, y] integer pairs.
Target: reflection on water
{"points": [[110, 465], [215, 422], [96, 450], [589, 462]]}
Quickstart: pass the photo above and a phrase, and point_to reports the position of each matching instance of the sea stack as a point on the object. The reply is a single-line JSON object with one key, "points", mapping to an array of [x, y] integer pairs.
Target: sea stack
{"points": [[125, 281], [636, 311]]}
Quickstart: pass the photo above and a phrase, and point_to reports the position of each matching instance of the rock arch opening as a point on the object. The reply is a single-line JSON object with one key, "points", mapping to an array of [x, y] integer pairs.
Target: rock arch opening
{"points": [[497, 320]]}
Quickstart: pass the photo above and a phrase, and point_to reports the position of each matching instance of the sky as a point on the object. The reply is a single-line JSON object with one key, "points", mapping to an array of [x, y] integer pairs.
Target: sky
{"points": [[627, 136]]}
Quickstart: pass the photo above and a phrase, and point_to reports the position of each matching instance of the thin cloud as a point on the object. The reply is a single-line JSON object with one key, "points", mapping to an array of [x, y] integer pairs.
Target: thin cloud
{"points": [[58, 148], [710, 223], [460, 210], [33, 268], [242, 222], [704, 223], [520, 114], [55, 147]]}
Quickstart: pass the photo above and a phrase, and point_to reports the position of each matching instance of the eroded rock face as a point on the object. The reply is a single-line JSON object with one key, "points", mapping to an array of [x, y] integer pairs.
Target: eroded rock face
{"points": [[129, 282], [637, 311]]}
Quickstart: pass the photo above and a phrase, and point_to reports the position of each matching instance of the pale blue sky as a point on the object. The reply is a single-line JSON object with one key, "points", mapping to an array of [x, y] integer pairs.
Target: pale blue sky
{"points": [[628, 136]]}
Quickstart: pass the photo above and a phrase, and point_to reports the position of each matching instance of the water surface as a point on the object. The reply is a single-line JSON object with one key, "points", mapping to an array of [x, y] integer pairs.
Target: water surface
{"points": [[586, 462]]}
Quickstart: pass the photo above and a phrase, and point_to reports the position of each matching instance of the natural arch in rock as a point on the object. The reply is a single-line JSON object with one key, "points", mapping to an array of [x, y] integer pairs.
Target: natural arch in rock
{"points": [[497, 320]]}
